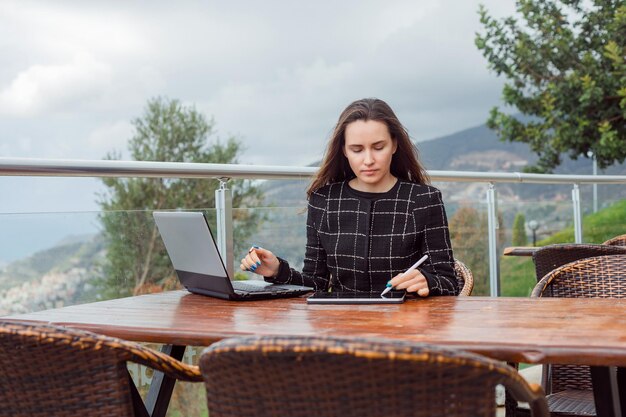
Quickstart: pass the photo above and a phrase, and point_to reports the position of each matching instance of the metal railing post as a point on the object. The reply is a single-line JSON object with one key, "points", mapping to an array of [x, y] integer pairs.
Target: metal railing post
{"points": [[492, 225], [224, 213], [595, 185], [578, 220]]}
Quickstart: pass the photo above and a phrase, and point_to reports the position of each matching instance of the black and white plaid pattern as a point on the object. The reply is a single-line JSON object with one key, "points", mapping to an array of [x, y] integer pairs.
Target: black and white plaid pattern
{"points": [[356, 243]]}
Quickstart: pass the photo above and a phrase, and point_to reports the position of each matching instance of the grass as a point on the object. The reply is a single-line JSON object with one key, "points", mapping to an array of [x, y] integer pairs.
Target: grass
{"points": [[517, 274], [597, 227]]}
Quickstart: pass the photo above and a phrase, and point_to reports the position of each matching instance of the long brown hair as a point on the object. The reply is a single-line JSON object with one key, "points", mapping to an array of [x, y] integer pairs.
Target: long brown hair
{"points": [[404, 163]]}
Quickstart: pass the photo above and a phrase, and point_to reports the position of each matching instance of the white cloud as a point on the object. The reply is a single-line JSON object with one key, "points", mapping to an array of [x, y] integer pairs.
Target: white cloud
{"points": [[49, 88], [397, 17], [108, 138], [53, 29], [81, 58], [18, 147], [320, 74]]}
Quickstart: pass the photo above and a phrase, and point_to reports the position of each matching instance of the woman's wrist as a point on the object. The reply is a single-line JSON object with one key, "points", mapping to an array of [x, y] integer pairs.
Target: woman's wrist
{"points": [[275, 269]]}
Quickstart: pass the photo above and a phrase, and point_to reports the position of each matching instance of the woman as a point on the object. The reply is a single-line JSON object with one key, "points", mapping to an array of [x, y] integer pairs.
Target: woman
{"points": [[371, 214]]}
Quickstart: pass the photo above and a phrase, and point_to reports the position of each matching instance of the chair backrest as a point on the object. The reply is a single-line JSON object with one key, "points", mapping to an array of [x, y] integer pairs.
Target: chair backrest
{"points": [[616, 241], [53, 371], [596, 277], [551, 257], [314, 376], [464, 277]]}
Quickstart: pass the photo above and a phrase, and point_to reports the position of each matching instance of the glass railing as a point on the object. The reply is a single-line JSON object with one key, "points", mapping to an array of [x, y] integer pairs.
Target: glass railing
{"points": [[78, 242], [58, 259]]}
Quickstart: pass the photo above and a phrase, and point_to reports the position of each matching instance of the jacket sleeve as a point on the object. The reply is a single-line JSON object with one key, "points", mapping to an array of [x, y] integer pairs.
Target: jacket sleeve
{"points": [[439, 268], [315, 271]]}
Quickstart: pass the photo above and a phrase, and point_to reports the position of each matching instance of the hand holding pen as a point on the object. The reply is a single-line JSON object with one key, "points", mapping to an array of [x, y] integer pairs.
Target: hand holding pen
{"points": [[412, 280], [260, 261]]}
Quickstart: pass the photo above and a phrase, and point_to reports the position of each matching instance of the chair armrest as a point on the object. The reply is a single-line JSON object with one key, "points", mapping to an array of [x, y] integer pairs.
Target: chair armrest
{"points": [[122, 349], [541, 286], [161, 362], [531, 393], [538, 405]]}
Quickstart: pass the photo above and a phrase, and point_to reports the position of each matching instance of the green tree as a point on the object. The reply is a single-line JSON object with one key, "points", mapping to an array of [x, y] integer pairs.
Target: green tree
{"points": [[519, 237], [136, 261], [470, 243], [565, 65], [468, 233]]}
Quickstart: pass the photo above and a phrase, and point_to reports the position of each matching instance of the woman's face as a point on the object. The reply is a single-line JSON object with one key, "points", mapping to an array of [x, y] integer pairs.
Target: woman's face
{"points": [[369, 149]]}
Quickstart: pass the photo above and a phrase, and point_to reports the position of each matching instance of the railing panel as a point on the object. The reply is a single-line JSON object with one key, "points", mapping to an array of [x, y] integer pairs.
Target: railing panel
{"points": [[467, 212], [40, 267], [541, 220], [278, 228]]}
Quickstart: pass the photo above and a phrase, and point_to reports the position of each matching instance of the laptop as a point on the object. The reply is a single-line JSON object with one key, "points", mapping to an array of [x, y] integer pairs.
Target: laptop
{"points": [[199, 266]]}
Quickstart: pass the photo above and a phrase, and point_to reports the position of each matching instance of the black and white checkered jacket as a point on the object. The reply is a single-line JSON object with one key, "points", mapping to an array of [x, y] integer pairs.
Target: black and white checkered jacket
{"points": [[355, 243]]}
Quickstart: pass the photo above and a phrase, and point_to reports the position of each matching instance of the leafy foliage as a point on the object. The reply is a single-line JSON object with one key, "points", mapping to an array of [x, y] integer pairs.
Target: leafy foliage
{"points": [[469, 236], [565, 65], [519, 237], [168, 131]]}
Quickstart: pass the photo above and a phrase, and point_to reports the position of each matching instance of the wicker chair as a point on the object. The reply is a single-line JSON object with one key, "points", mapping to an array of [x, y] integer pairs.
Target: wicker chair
{"points": [[314, 376], [603, 277], [55, 371], [616, 241], [464, 277], [551, 257], [547, 259]]}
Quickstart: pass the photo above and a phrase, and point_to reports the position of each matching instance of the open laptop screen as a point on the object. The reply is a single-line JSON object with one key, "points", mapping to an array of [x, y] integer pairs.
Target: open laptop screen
{"points": [[189, 243]]}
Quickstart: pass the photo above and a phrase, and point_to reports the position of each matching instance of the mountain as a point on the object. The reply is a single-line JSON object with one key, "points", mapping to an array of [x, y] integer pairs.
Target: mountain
{"points": [[474, 149], [479, 149], [53, 277], [70, 252]]}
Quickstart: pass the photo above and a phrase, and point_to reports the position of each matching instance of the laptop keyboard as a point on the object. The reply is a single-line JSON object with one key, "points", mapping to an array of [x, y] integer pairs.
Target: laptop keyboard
{"points": [[242, 286]]}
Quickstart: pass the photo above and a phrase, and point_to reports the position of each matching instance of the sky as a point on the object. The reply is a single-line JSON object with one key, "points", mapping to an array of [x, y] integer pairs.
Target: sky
{"points": [[274, 74]]}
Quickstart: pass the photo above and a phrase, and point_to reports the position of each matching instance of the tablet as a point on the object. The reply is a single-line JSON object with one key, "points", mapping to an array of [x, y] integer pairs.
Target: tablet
{"points": [[339, 297]]}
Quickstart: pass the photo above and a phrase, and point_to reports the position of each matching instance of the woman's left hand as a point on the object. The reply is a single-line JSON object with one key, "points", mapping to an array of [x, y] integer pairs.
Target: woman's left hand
{"points": [[413, 281]]}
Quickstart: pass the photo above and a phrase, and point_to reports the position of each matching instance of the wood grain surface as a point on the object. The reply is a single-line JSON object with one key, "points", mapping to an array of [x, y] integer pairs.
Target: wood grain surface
{"points": [[556, 330]]}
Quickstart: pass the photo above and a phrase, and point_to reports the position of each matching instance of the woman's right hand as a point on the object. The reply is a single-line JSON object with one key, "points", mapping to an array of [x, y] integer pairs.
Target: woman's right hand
{"points": [[260, 261]]}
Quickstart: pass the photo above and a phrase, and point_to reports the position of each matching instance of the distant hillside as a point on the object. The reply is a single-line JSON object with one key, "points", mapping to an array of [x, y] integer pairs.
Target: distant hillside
{"points": [[597, 227], [474, 149], [479, 149], [51, 278], [72, 251]]}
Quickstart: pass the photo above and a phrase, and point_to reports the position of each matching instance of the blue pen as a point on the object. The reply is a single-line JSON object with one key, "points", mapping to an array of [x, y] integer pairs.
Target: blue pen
{"points": [[415, 265]]}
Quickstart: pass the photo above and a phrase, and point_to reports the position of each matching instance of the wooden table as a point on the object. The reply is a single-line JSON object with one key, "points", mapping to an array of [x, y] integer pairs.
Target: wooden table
{"points": [[541, 330]]}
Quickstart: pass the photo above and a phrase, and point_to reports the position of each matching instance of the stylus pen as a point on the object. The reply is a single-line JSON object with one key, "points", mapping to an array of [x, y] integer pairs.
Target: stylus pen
{"points": [[415, 265]]}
